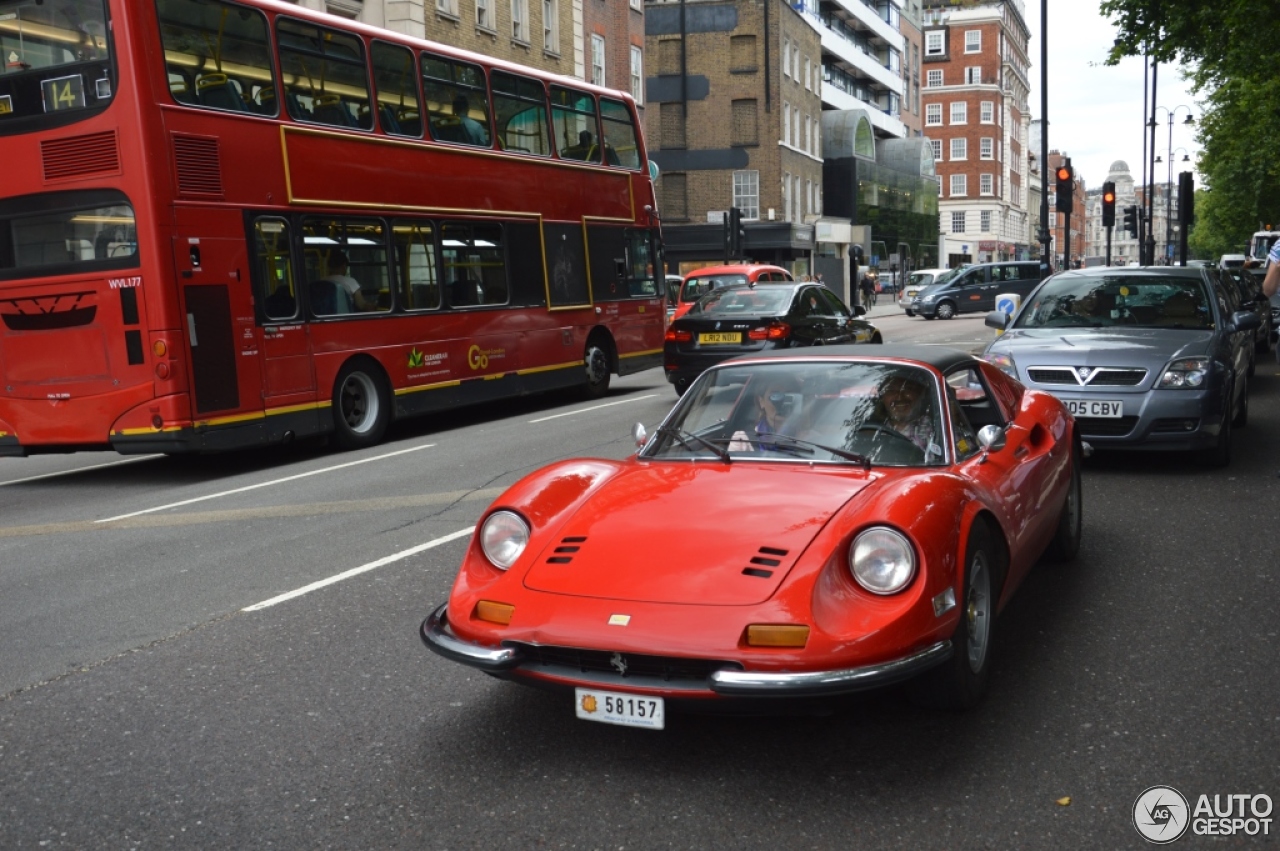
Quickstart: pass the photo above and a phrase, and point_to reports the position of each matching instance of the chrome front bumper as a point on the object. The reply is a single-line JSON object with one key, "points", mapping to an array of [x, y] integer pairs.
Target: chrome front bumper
{"points": [[725, 683]]}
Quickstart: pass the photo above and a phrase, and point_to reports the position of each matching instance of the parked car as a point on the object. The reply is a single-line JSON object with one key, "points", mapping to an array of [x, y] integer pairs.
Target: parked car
{"points": [[699, 282], [916, 282], [1152, 357], [749, 318], [723, 566], [975, 288], [1249, 288]]}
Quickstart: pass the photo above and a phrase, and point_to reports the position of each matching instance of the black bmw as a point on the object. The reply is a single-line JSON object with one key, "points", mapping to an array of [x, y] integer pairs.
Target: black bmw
{"points": [[748, 318]]}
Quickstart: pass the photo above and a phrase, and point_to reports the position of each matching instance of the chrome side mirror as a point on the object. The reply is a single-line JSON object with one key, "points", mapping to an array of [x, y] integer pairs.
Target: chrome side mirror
{"points": [[991, 438], [640, 436]]}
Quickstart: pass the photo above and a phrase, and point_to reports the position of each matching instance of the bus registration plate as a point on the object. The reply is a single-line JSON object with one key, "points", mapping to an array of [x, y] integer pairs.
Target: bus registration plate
{"points": [[720, 338], [1106, 409], [627, 710]]}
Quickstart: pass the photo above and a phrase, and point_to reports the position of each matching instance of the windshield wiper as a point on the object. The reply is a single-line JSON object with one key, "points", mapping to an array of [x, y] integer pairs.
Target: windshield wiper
{"points": [[683, 438], [800, 446]]}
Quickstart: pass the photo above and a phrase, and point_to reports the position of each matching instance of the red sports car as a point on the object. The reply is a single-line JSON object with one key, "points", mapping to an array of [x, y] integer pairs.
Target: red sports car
{"points": [[803, 524]]}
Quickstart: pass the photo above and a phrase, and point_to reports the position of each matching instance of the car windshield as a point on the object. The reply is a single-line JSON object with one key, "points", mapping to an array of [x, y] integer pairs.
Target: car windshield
{"points": [[744, 301], [1143, 300], [696, 287], [836, 412]]}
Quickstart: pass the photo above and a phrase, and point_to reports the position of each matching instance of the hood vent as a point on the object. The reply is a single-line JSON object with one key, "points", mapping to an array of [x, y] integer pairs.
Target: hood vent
{"points": [[563, 553], [199, 168], [766, 557], [80, 156]]}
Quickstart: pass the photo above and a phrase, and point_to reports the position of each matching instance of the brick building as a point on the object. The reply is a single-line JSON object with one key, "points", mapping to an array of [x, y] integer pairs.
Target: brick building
{"points": [[734, 120], [976, 118]]}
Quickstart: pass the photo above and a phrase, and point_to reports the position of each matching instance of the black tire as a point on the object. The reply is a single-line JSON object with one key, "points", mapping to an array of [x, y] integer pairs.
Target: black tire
{"points": [[596, 361], [1241, 419], [928, 317], [681, 385], [911, 313], [1220, 455], [1066, 540], [946, 310], [361, 406], [960, 682]]}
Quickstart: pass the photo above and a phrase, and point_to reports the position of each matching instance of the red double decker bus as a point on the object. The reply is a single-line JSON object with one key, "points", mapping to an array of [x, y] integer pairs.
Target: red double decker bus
{"points": [[228, 224]]}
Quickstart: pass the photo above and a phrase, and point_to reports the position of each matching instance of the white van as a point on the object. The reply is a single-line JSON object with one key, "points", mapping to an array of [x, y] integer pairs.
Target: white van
{"points": [[917, 281]]}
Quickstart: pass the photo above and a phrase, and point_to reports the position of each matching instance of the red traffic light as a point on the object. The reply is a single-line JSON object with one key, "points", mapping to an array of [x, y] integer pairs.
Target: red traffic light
{"points": [[1064, 172]]}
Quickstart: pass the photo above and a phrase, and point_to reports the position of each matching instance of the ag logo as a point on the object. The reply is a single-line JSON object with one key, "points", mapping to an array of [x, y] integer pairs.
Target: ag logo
{"points": [[1161, 814]]}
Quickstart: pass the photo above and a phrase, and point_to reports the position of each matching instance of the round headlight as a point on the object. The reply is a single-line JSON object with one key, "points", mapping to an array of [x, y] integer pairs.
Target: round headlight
{"points": [[882, 561], [503, 538]]}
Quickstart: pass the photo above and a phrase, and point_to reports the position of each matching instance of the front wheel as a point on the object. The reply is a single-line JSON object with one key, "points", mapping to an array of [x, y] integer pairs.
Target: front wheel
{"points": [[960, 682], [361, 407], [946, 310], [1220, 454], [911, 313]]}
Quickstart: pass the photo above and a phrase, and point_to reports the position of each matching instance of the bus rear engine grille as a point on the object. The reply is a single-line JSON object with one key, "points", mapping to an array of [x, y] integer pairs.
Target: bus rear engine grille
{"points": [[80, 156]]}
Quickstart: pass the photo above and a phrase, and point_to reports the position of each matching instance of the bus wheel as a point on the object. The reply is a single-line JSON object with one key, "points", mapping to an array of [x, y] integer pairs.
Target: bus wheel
{"points": [[596, 360], [361, 406]]}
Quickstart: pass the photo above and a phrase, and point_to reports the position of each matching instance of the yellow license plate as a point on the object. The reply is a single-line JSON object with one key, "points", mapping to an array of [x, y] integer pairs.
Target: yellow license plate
{"points": [[720, 338]]}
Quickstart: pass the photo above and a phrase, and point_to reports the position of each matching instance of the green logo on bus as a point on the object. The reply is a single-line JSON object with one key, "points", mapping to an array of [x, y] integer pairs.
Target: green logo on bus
{"points": [[415, 358]]}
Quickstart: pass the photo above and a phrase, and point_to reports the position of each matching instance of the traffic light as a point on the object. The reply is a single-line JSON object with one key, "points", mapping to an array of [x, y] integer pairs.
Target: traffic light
{"points": [[1108, 204], [737, 233], [1131, 220], [1066, 186]]}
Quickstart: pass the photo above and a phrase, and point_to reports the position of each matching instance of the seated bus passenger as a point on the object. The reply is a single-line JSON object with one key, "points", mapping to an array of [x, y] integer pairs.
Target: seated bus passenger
{"points": [[339, 278]]}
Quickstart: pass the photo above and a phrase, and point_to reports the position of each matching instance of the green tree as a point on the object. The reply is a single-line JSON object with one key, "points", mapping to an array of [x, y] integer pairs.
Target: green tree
{"points": [[1233, 49]]}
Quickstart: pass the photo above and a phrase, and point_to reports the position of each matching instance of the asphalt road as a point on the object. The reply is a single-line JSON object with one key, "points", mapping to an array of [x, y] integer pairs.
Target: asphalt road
{"points": [[142, 705]]}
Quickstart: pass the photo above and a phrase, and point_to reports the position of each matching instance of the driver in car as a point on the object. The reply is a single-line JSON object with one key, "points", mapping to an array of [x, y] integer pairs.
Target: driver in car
{"points": [[904, 405]]}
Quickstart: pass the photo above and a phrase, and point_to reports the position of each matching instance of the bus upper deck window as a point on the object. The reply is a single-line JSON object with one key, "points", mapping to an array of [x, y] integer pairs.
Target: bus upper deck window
{"points": [[217, 55]]}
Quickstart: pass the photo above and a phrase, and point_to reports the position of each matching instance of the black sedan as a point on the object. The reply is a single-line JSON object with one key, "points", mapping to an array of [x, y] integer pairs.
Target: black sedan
{"points": [[750, 318]]}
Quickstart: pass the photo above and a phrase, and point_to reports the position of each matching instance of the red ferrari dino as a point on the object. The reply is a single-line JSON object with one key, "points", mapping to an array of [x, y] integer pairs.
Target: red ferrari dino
{"points": [[802, 525]]}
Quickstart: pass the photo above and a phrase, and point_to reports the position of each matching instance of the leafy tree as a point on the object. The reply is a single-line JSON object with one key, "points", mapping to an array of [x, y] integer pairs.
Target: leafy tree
{"points": [[1233, 47]]}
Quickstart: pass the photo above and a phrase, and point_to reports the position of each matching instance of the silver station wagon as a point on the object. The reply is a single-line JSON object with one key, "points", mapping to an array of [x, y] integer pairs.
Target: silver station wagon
{"points": [[1144, 357]]}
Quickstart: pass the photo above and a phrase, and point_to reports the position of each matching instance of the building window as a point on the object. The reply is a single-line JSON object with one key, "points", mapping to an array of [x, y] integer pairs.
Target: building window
{"points": [[986, 149], [786, 197], [675, 199], [935, 43], [960, 112], [808, 74], [986, 185], [957, 222], [742, 54], [786, 58], [795, 64], [597, 59], [637, 4], [814, 145], [973, 41], [520, 20], [936, 145], [933, 114], [637, 74], [550, 26], [746, 193], [484, 14], [933, 79], [987, 112], [959, 185], [806, 138], [972, 76], [795, 195], [745, 130], [817, 76], [671, 133], [984, 219], [448, 7], [960, 149], [808, 195], [786, 123]]}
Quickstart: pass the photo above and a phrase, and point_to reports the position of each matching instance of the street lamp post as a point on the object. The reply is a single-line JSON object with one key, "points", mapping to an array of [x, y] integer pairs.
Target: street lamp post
{"points": [[1168, 187]]}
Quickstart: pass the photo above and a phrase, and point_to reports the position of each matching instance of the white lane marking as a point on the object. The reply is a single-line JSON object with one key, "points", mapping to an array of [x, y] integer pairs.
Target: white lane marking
{"points": [[356, 571], [593, 408], [79, 470], [264, 484]]}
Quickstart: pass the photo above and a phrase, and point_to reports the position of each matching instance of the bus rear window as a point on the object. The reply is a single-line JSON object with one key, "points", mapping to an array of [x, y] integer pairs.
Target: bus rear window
{"points": [[56, 60], [65, 233]]}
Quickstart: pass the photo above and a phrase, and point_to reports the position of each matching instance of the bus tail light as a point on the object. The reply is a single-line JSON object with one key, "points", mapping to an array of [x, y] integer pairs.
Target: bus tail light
{"points": [[776, 331], [676, 336], [160, 348], [162, 370]]}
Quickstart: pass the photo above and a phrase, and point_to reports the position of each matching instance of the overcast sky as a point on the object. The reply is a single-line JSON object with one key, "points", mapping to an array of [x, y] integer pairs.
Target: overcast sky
{"points": [[1095, 110]]}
